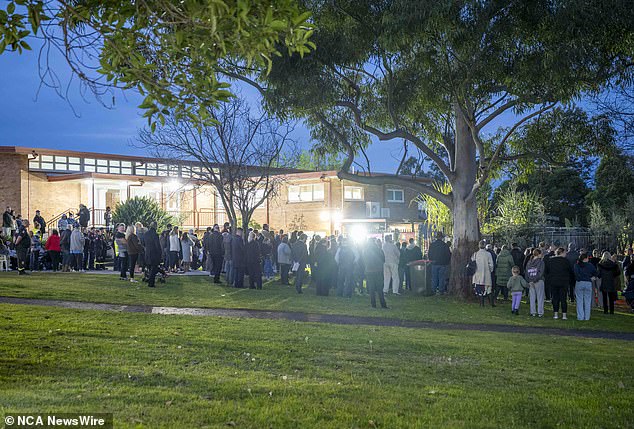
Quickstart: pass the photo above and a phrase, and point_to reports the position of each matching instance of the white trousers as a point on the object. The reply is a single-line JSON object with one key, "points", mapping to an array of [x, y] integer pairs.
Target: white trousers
{"points": [[390, 272]]}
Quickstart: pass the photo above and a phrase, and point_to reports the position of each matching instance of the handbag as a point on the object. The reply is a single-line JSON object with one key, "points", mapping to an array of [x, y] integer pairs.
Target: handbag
{"points": [[471, 268], [295, 267]]}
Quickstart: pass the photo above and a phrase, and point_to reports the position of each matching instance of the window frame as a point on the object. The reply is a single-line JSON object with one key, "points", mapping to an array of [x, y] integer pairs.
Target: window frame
{"points": [[352, 188], [393, 191]]}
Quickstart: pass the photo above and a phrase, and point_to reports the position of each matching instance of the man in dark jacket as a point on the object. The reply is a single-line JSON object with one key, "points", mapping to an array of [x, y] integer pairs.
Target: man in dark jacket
{"points": [[215, 253], [561, 278], [22, 245], [373, 259], [299, 253], [440, 257], [7, 222], [518, 257], [238, 258], [153, 253], [39, 220], [84, 216], [572, 256]]}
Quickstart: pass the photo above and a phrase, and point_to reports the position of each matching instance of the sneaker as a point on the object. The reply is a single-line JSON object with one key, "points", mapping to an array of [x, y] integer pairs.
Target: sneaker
{"points": [[540, 315], [123, 279], [563, 317], [533, 314], [556, 316], [133, 281], [396, 293]]}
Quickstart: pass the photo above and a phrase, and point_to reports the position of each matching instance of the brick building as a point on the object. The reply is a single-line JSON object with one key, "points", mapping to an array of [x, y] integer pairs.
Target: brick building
{"points": [[57, 181]]}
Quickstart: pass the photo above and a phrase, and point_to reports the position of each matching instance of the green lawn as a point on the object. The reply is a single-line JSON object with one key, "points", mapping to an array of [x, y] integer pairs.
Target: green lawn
{"points": [[188, 291], [179, 371]]}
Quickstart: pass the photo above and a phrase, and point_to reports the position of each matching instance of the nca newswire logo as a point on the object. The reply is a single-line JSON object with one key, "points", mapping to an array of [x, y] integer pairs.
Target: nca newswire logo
{"points": [[61, 420]]}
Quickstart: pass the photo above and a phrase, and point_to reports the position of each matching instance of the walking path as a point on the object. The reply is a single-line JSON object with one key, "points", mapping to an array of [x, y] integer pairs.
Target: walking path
{"points": [[318, 318]]}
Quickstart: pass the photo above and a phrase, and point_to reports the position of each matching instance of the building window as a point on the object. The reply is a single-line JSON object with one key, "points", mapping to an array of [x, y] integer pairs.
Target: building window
{"points": [[395, 196], [302, 193], [353, 193]]}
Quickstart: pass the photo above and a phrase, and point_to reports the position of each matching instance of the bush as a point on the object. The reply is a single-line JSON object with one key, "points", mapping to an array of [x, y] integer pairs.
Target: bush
{"points": [[141, 209]]}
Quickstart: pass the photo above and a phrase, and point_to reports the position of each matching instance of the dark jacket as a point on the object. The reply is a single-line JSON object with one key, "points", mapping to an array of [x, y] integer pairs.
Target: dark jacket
{"points": [[559, 273], [609, 273], [40, 220], [413, 253], [64, 240], [299, 252], [237, 252], [153, 252], [7, 220], [373, 258], [215, 244], [439, 253], [254, 258], [84, 216]]}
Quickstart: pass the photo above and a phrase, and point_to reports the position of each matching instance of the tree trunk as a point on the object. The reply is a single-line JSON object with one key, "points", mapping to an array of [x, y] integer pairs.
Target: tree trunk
{"points": [[465, 242], [465, 210]]}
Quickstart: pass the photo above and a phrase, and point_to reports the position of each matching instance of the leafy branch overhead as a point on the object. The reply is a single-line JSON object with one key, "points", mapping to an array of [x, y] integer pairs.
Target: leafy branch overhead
{"points": [[168, 50]]}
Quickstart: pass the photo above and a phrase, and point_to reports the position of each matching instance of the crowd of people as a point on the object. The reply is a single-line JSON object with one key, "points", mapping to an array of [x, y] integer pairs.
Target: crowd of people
{"points": [[333, 264], [552, 273]]}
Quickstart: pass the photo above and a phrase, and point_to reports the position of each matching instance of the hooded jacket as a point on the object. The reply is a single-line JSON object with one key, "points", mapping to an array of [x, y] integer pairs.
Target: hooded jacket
{"points": [[608, 272], [504, 267], [535, 270]]}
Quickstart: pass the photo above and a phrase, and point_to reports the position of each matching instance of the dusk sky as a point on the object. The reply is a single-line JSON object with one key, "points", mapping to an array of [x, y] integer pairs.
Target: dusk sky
{"points": [[43, 119]]}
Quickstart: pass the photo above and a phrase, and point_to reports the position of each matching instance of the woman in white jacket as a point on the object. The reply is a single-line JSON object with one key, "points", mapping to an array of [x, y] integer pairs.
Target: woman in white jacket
{"points": [[482, 279]]}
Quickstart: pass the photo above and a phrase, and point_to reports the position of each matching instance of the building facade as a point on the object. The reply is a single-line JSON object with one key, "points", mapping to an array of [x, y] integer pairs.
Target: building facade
{"points": [[57, 181]]}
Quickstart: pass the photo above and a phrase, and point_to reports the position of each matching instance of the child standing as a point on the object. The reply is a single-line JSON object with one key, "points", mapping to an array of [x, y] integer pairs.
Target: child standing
{"points": [[516, 286]]}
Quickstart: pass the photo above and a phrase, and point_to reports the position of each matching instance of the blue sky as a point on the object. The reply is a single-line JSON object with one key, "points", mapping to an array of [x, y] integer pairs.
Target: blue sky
{"points": [[43, 119]]}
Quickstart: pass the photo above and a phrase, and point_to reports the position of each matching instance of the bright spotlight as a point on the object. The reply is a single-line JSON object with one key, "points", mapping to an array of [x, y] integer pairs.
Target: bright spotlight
{"points": [[358, 233]]}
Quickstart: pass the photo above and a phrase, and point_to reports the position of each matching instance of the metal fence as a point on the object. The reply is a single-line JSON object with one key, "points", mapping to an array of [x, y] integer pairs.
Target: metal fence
{"points": [[581, 238]]}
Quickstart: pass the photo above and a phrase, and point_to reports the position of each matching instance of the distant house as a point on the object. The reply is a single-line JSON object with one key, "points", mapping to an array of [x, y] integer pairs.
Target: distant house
{"points": [[57, 181]]}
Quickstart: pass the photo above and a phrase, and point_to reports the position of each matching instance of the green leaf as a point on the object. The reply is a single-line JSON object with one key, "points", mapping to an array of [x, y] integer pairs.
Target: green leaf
{"points": [[11, 8]]}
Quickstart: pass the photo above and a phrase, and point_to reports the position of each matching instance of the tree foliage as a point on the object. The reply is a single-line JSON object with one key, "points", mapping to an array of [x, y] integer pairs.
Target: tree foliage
{"points": [[613, 181], [141, 209], [168, 50], [240, 154], [516, 216]]}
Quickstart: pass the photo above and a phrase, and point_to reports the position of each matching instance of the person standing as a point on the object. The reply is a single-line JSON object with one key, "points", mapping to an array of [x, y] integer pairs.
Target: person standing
{"points": [[187, 250], [39, 220], [597, 298], [107, 217], [83, 216], [482, 279], [174, 249], [609, 273], [573, 256], [253, 255], [22, 242], [121, 251], [584, 273], [134, 250], [284, 259], [321, 260], [440, 257], [518, 257], [215, 252], [36, 248], [300, 257], [77, 242], [560, 276], [7, 222], [414, 253], [503, 272], [53, 249], [390, 267], [238, 259], [516, 285], [227, 239], [64, 242], [346, 260], [535, 277], [153, 254], [373, 260]]}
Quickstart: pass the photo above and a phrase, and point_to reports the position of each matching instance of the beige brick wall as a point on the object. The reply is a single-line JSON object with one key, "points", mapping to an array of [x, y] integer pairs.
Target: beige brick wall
{"points": [[52, 198], [10, 181]]}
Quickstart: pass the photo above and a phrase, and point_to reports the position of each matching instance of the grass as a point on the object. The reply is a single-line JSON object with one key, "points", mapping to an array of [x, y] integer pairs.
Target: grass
{"points": [[198, 291], [156, 371]]}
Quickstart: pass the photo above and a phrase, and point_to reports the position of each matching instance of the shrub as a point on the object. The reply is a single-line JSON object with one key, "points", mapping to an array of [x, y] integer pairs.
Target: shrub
{"points": [[141, 209]]}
